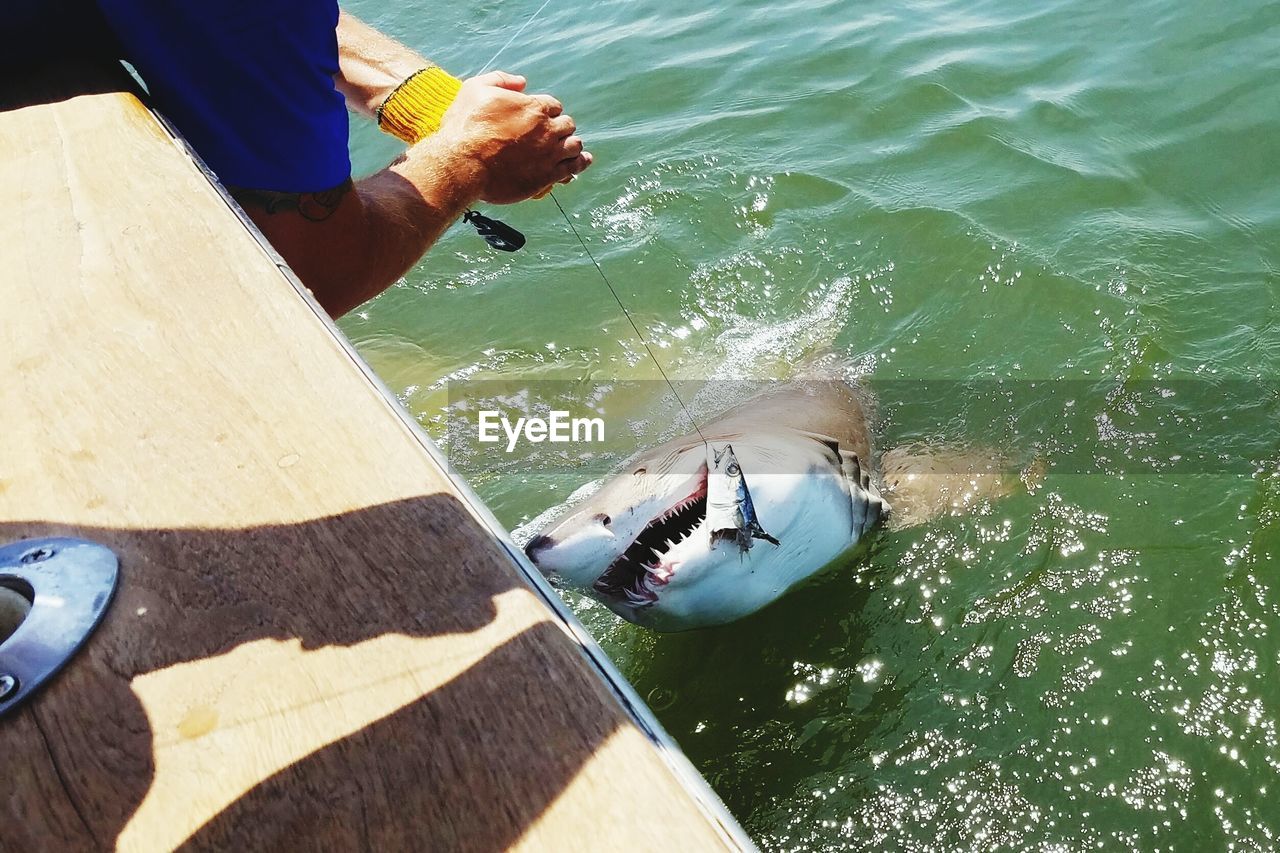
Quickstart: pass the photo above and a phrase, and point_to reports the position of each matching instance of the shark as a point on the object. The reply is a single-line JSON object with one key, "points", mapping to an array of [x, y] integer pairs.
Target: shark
{"points": [[709, 527]]}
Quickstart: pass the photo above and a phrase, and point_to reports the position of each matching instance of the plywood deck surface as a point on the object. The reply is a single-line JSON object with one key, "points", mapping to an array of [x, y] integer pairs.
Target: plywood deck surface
{"points": [[315, 644]]}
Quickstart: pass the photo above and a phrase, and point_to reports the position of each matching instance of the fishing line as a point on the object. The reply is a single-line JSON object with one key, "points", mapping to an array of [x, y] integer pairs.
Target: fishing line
{"points": [[507, 239], [532, 18], [627, 314]]}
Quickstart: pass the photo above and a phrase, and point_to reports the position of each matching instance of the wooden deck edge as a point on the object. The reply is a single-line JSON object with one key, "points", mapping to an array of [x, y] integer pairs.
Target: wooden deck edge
{"points": [[693, 781]]}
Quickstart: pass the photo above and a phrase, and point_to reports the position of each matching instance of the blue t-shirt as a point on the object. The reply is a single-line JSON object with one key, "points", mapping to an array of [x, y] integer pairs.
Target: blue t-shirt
{"points": [[249, 84]]}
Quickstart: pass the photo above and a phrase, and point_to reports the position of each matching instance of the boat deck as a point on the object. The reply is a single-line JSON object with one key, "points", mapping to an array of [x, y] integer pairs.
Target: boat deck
{"points": [[320, 640]]}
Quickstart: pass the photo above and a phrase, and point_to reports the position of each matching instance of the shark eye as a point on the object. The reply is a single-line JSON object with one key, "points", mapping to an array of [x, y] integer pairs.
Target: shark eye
{"points": [[733, 469], [640, 471], [604, 519]]}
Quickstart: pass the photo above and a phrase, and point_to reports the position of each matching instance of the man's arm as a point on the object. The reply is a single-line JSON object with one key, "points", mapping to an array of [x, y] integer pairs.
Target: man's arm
{"points": [[495, 144], [370, 64]]}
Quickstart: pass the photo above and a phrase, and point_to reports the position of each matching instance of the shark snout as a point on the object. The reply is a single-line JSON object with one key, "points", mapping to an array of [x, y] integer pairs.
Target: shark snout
{"points": [[592, 528], [536, 545]]}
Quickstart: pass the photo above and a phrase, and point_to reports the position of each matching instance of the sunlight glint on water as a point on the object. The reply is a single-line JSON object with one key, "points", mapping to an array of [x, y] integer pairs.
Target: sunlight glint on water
{"points": [[1071, 190]]}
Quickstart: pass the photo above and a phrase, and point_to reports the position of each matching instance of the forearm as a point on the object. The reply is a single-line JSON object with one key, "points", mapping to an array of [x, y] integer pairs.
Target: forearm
{"points": [[490, 142], [407, 207], [365, 239], [370, 64]]}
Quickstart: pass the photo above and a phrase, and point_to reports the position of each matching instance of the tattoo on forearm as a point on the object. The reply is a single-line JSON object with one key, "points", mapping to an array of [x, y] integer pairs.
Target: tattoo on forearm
{"points": [[313, 207]]}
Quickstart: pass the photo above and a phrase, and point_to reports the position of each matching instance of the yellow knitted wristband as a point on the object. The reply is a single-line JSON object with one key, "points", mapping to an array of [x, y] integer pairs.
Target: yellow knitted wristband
{"points": [[413, 110]]}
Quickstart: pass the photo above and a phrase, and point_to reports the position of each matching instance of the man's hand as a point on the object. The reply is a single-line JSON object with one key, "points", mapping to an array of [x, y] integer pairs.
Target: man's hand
{"points": [[495, 144], [517, 145]]}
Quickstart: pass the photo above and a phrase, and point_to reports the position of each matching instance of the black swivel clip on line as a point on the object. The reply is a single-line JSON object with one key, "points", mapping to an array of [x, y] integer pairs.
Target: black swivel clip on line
{"points": [[499, 235]]}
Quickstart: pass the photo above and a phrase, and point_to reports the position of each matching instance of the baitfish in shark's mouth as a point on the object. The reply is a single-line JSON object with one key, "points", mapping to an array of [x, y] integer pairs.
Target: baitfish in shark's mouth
{"points": [[643, 566]]}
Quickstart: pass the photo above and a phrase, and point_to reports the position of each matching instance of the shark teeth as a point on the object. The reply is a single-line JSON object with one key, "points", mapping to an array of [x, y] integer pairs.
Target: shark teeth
{"points": [[680, 507], [660, 574], [639, 595], [645, 562]]}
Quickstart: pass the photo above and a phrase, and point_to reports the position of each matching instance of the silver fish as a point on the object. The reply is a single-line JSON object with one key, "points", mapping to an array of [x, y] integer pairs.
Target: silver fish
{"points": [[731, 516]]}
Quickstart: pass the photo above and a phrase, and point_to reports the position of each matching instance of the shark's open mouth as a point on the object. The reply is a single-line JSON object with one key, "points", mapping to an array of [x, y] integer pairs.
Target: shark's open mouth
{"points": [[633, 576]]}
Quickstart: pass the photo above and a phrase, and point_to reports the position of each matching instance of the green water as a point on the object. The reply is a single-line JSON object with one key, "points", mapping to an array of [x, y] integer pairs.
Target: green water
{"points": [[964, 191]]}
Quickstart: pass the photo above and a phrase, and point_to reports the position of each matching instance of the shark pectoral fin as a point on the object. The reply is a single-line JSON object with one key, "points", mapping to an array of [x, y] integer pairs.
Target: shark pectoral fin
{"points": [[927, 483]]}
